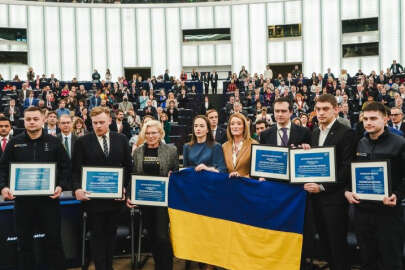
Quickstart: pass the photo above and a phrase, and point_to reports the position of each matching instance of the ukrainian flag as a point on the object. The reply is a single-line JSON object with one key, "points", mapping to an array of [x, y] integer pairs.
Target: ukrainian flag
{"points": [[236, 223]]}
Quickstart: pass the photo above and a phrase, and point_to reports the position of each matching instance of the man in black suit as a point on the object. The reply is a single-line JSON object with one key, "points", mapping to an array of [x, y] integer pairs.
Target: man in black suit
{"points": [[214, 81], [150, 110], [120, 125], [218, 133], [396, 120], [328, 203], [166, 76], [12, 112], [205, 77], [66, 137], [106, 149], [396, 68], [5, 136], [285, 133]]}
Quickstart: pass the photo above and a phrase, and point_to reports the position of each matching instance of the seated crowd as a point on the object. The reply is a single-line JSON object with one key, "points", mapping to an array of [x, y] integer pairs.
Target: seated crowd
{"points": [[361, 116]]}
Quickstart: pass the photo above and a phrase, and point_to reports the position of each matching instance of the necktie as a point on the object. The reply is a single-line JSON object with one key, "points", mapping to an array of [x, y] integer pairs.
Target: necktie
{"points": [[105, 146], [397, 127], [3, 144], [284, 138], [67, 146]]}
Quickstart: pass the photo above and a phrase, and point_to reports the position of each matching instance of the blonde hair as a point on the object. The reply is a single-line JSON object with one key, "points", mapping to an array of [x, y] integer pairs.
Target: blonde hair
{"points": [[99, 110], [151, 123], [246, 127]]}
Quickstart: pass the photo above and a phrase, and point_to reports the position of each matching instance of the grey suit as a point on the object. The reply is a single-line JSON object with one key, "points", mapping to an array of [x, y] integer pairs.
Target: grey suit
{"points": [[168, 158], [344, 121]]}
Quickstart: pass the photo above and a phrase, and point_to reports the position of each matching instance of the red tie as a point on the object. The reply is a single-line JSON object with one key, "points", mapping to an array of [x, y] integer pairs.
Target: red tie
{"points": [[3, 144]]}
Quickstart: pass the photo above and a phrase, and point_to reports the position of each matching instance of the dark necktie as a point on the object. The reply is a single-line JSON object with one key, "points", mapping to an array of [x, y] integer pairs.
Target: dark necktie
{"points": [[284, 138], [105, 146], [67, 146]]}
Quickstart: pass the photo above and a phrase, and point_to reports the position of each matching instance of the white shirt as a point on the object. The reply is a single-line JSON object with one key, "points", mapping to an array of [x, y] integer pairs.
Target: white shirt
{"points": [[324, 133], [235, 151], [100, 141], [280, 133], [397, 126]]}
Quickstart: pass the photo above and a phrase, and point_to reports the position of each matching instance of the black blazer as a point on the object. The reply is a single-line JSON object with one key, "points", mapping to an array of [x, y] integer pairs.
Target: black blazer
{"points": [[88, 152], [220, 135], [126, 129], [74, 139], [298, 135], [343, 138], [1, 150], [17, 112]]}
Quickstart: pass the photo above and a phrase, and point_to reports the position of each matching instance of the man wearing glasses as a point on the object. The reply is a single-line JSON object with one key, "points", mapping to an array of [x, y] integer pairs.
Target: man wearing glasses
{"points": [[396, 119]]}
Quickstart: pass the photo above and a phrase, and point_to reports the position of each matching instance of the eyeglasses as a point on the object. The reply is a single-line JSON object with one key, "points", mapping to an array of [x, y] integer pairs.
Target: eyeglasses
{"points": [[396, 114], [151, 133]]}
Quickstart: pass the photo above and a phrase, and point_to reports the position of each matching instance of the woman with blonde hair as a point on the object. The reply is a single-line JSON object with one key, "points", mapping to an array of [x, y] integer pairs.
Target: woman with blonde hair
{"points": [[155, 158], [237, 150]]}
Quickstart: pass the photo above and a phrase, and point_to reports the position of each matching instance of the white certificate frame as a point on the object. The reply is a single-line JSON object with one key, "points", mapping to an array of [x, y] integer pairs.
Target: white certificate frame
{"points": [[102, 195], [273, 176], [32, 165], [302, 180], [136, 201], [367, 164]]}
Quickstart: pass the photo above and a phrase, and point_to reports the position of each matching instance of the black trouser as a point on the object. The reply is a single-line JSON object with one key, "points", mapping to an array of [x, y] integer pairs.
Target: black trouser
{"points": [[103, 228], [331, 224], [156, 220], [206, 86], [29, 211], [214, 88], [380, 238]]}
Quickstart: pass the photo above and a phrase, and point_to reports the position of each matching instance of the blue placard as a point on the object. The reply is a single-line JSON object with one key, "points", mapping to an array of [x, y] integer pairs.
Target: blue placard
{"points": [[309, 165], [102, 182], [150, 191], [29, 179], [370, 180], [270, 161]]}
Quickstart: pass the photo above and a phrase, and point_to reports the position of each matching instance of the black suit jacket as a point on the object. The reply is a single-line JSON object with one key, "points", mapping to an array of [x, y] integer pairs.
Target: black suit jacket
{"points": [[126, 129], [72, 144], [17, 112], [220, 135], [343, 138], [88, 152], [1, 150], [298, 135]]}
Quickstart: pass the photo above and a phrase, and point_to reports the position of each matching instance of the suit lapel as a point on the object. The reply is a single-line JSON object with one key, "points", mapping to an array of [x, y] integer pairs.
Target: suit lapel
{"points": [[315, 137], [97, 146], [273, 135], [242, 153], [163, 158], [293, 133]]}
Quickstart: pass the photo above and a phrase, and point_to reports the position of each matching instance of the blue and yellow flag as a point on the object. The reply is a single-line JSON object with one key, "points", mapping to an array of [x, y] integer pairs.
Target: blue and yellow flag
{"points": [[236, 223]]}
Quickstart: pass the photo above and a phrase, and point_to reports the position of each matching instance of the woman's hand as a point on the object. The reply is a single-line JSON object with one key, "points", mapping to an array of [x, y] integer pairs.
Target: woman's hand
{"points": [[204, 167], [234, 174]]}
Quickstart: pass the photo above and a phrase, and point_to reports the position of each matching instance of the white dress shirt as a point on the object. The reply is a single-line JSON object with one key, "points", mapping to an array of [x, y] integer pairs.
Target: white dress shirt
{"points": [[280, 133], [324, 133]]}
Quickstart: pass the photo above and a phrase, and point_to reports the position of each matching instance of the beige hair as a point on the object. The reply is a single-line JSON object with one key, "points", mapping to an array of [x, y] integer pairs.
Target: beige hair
{"points": [[151, 123]]}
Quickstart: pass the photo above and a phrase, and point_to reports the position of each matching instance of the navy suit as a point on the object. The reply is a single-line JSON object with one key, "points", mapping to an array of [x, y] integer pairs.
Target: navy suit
{"points": [[30, 102]]}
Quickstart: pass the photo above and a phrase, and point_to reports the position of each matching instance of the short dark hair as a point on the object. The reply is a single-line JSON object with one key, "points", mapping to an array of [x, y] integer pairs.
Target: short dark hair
{"points": [[52, 112], [3, 118], [285, 99], [261, 121], [328, 98], [119, 111], [33, 109], [376, 107]]}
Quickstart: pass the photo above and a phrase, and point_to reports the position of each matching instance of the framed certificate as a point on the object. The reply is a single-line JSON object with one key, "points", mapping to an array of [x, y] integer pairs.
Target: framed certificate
{"points": [[102, 182], [316, 165], [32, 178], [371, 180], [149, 190], [270, 162]]}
